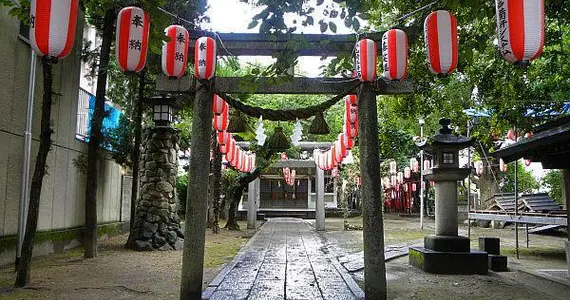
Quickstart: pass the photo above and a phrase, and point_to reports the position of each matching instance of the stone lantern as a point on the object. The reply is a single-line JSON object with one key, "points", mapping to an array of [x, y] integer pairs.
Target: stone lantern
{"points": [[446, 252]]}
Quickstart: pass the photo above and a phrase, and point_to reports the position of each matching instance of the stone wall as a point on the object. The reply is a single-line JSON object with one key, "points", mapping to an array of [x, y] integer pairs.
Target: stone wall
{"points": [[157, 224]]}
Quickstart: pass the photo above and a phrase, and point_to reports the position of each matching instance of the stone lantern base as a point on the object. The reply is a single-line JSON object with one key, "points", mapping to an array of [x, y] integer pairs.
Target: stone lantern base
{"points": [[448, 255]]}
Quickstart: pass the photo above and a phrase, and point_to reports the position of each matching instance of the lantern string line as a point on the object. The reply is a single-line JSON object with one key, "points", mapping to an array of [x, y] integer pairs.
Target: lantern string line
{"points": [[405, 16], [284, 115]]}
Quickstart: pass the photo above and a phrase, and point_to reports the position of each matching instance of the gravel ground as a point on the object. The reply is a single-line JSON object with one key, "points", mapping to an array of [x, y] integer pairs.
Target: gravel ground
{"points": [[123, 274]]}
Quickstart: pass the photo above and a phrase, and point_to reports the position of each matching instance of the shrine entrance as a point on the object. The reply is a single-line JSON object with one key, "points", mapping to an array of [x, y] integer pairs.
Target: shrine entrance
{"points": [[201, 93]]}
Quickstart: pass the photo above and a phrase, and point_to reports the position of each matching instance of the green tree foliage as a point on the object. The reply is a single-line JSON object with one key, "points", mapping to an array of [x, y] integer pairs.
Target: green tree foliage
{"points": [[552, 180], [526, 182]]}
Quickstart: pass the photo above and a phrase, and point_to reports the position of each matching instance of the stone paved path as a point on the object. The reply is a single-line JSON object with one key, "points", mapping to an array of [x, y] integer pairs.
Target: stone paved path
{"points": [[284, 260]]}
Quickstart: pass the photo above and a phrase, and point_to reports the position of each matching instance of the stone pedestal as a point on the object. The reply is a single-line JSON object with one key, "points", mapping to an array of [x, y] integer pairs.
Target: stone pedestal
{"points": [[320, 205], [157, 225], [446, 252], [252, 200]]}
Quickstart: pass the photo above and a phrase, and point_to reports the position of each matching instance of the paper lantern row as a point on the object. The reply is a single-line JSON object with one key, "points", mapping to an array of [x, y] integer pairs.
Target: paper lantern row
{"points": [[221, 113], [288, 175], [234, 155], [520, 28]]}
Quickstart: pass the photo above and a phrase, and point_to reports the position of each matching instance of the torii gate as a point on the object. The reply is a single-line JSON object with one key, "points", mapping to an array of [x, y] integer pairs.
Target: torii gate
{"points": [[263, 45]]}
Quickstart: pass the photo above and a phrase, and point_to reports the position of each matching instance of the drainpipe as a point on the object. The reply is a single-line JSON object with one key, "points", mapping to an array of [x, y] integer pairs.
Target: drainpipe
{"points": [[25, 182]]}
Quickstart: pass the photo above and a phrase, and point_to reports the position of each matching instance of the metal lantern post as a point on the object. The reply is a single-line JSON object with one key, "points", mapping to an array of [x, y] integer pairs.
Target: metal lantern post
{"points": [[421, 122]]}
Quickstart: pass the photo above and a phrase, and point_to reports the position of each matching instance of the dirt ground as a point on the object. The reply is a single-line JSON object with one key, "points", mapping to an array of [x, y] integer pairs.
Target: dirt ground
{"points": [[545, 251], [118, 273], [123, 274]]}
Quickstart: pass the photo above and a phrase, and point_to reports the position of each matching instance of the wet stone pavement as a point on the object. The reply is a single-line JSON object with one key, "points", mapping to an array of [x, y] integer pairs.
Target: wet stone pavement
{"points": [[286, 259]]}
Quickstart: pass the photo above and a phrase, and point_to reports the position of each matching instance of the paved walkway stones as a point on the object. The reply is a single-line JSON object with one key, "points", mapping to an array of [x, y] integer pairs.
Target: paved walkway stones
{"points": [[286, 259]]}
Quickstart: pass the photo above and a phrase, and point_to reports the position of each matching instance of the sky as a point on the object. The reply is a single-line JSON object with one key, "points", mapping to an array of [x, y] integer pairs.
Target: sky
{"points": [[234, 16]]}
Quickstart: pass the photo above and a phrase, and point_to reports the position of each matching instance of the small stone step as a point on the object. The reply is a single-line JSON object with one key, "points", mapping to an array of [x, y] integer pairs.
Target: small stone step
{"points": [[498, 263], [491, 245]]}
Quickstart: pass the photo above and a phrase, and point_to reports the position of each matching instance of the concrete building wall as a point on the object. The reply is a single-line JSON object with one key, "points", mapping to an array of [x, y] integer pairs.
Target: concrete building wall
{"points": [[63, 193]]}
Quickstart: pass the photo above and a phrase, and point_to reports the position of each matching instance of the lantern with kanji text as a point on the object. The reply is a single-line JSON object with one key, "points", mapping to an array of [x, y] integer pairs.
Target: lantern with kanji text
{"points": [[205, 58], [365, 54], [175, 51], [395, 54], [133, 27]]}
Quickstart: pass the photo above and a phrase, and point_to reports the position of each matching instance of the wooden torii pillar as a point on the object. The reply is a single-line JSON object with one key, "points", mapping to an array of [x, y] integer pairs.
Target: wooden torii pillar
{"points": [[261, 44]]}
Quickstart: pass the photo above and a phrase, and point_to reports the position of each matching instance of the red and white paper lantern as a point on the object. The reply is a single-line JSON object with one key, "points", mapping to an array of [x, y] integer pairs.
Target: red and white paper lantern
{"points": [[365, 60], [395, 54], [175, 52], [347, 141], [440, 30], [221, 122], [205, 58], [52, 26], [520, 28], [353, 99], [350, 111], [133, 25], [351, 129], [407, 172], [223, 137], [219, 105]]}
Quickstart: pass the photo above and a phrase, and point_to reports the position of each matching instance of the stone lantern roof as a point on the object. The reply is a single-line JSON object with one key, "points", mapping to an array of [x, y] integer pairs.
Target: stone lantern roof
{"points": [[446, 138]]}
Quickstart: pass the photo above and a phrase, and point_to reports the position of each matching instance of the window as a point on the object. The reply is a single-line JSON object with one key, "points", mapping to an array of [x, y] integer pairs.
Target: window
{"points": [[448, 158], [329, 185]]}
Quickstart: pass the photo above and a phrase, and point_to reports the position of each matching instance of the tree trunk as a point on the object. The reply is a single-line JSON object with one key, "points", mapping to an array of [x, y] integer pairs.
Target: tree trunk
{"points": [[23, 277], [236, 193], [216, 188], [136, 154], [486, 183], [95, 138], [212, 221]]}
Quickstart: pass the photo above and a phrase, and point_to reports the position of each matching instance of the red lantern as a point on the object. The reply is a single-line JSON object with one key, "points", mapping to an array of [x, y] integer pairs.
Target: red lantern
{"points": [[252, 162], [205, 58], [351, 129], [414, 165], [440, 30], [347, 141], [223, 137], [133, 25], [353, 99], [427, 164], [358, 181], [230, 147], [175, 52], [52, 26], [395, 54], [520, 27], [350, 112], [423, 185], [221, 121], [365, 60], [338, 152], [219, 105], [292, 178], [414, 187], [342, 145], [407, 172], [393, 180], [332, 161], [431, 183]]}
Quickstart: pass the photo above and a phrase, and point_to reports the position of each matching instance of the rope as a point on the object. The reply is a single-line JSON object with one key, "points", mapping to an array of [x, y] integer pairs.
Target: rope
{"points": [[284, 115]]}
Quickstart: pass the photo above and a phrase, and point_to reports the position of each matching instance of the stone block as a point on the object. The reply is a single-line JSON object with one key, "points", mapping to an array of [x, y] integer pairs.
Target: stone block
{"points": [[447, 243], [498, 263], [437, 262], [491, 245]]}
